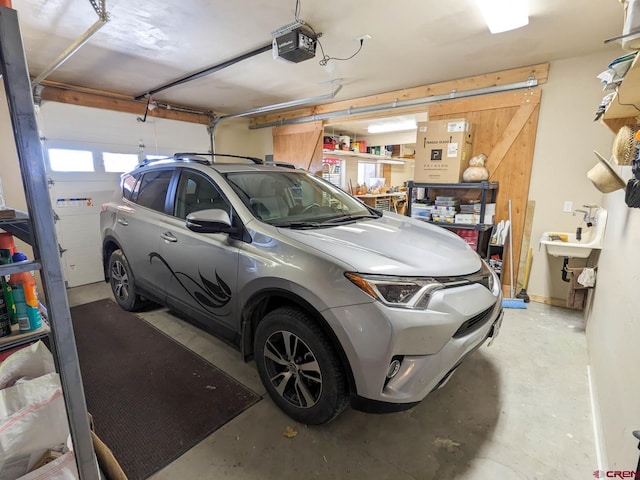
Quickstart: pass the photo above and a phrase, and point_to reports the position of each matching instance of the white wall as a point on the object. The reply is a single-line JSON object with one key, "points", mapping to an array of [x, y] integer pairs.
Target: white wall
{"points": [[563, 155], [233, 136], [613, 332], [9, 169]]}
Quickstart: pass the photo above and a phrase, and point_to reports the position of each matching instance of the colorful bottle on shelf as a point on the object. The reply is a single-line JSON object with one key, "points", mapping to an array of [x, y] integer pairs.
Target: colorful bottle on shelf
{"points": [[7, 296], [25, 298], [7, 249], [5, 321]]}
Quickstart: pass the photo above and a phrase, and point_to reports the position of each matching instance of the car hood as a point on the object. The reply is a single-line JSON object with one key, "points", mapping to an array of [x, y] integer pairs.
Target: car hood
{"points": [[393, 245]]}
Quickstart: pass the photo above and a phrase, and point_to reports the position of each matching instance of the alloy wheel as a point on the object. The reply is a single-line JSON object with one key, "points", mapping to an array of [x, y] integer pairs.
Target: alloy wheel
{"points": [[120, 281], [293, 369]]}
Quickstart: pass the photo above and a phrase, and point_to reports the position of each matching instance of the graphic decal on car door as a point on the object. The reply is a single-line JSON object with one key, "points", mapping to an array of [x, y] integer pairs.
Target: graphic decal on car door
{"points": [[209, 295]]}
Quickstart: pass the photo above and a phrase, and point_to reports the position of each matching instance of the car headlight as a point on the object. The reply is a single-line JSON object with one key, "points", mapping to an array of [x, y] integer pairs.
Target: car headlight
{"points": [[489, 274], [402, 292]]}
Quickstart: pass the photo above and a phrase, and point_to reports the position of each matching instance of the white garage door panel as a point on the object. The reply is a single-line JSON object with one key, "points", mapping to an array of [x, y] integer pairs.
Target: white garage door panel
{"points": [[80, 236], [77, 204]]}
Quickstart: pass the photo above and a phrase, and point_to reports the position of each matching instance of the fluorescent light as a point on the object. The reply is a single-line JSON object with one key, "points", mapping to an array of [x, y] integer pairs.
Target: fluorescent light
{"points": [[504, 15], [391, 162], [392, 127]]}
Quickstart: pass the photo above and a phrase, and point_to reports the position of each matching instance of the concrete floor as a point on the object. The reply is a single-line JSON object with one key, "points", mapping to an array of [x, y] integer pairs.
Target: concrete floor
{"points": [[518, 409]]}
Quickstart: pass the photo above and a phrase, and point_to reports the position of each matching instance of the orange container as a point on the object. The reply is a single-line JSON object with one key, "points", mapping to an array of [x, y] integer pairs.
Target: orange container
{"points": [[6, 242]]}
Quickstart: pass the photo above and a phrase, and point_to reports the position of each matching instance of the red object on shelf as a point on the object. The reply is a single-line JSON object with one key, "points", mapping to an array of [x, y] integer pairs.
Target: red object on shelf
{"points": [[469, 236], [363, 146]]}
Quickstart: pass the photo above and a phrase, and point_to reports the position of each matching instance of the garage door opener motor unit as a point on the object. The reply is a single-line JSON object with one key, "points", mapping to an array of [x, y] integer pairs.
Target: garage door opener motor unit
{"points": [[295, 45]]}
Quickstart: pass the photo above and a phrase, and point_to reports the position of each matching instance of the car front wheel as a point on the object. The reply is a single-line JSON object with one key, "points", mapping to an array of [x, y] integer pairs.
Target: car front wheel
{"points": [[122, 283], [299, 367]]}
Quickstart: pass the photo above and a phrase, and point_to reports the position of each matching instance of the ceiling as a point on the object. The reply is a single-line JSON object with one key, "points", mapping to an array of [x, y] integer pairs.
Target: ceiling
{"points": [[147, 43]]}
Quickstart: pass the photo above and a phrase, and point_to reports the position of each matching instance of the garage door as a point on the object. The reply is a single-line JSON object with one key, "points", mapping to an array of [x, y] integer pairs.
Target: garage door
{"points": [[76, 205], [79, 184]]}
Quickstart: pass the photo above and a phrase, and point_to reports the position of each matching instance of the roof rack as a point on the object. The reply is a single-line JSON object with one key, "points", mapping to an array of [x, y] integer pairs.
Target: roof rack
{"points": [[197, 158], [190, 156]]}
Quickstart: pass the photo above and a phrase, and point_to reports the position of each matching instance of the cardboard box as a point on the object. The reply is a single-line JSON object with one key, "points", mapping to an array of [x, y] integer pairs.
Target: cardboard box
{"points": [[443, 150]]}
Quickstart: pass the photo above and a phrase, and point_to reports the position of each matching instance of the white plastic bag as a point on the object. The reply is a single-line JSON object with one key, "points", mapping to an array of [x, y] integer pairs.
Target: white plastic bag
{"points": [[29, 432], [587, 278], [30, 362], [26, 393], [62, 468]]}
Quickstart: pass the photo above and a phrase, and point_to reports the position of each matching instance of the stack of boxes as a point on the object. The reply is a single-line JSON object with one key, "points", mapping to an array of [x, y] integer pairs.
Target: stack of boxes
{"points": [[470, 214], [445, 210]]}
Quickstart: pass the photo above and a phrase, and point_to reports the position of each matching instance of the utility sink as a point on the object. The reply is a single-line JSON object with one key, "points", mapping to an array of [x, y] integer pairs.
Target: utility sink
{"points": [[591, 239]]}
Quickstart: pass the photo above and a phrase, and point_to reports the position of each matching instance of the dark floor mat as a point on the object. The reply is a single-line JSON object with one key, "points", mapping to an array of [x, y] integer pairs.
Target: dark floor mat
{"points": [[151, 398]]}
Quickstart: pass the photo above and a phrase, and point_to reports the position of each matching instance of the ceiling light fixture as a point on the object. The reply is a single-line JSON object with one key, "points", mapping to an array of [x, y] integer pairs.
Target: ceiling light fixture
{"points": [[392, 127], [504, 15]]}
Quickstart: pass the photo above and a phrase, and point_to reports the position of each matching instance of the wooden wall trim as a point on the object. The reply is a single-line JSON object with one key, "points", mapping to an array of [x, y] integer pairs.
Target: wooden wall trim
{"points": [[118, 103], [484, 102], [539, 72]]}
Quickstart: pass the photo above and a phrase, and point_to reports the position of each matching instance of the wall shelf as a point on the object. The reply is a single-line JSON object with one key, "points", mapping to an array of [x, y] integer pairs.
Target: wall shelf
{"points": [[17, 339], [362, 156], [488, 192], [621, 111]]}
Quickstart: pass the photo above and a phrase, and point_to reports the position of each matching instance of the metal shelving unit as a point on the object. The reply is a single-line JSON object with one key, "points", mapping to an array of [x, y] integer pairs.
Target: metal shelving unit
{"points": [[488, 191], [37, 228]]}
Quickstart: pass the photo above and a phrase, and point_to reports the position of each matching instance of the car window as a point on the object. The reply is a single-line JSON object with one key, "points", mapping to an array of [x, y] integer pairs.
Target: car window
{"points": [[197, 192], [280, 197], [151, 190], [128, 185]]}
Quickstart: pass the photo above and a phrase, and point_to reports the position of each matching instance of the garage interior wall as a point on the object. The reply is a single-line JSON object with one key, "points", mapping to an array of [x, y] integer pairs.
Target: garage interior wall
{"points": [[9, 168], [567, 136], [613, 328]]}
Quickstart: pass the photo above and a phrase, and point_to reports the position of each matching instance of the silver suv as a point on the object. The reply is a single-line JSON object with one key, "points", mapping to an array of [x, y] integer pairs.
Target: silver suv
{"points": [[337, 302]]}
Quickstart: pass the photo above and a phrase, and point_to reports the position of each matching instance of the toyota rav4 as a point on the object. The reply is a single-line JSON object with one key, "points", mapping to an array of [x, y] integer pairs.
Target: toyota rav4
{"points": [[335, 301]]}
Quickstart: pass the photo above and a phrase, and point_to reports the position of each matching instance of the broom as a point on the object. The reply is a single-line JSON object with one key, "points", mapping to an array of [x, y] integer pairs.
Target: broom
{"points": [[511, 302]]}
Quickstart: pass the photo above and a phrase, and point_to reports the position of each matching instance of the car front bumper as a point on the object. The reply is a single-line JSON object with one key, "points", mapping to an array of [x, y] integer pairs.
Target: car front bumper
{"points": [[430, 344]]}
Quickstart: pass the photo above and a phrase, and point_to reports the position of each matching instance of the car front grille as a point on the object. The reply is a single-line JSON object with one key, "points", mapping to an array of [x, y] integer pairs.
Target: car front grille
{"points": [[473, 323]]}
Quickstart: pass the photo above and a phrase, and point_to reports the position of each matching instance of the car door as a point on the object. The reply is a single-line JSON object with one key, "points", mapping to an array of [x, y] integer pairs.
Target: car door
{"points": [[140, 222], [203, 267]]}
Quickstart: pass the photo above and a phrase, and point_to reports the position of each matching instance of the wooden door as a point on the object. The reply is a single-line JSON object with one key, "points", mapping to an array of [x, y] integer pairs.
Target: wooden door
{"points": [[505, 131], [300, 144]]}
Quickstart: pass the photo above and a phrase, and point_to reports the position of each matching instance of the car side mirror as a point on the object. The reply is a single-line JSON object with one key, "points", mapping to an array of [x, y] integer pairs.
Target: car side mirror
{"points": [[209, 221]]}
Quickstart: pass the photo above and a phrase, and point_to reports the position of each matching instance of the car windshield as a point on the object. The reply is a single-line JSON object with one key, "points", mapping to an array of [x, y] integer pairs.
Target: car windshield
{"points": [[296, 199]]}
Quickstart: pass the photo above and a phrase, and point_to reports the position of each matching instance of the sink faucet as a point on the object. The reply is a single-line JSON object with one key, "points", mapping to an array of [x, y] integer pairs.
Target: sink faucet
{"points": [[589, 216]]}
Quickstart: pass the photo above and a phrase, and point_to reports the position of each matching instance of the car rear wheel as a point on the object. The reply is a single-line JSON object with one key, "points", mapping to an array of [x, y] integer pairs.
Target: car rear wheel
{"points": [[299, 367], [122, 283]]}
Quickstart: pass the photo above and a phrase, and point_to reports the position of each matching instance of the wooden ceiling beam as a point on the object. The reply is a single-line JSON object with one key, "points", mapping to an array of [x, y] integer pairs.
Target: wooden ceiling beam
{"points": [[540, 72], [93, 98]]}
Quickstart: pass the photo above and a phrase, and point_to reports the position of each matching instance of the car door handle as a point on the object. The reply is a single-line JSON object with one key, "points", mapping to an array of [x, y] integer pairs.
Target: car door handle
{"points": [[168, 236], [122, 221]]}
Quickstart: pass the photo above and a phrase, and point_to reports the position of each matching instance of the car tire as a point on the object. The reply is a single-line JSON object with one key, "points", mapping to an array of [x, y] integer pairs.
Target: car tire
{"points": [[122, 283], [312, 395]]}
